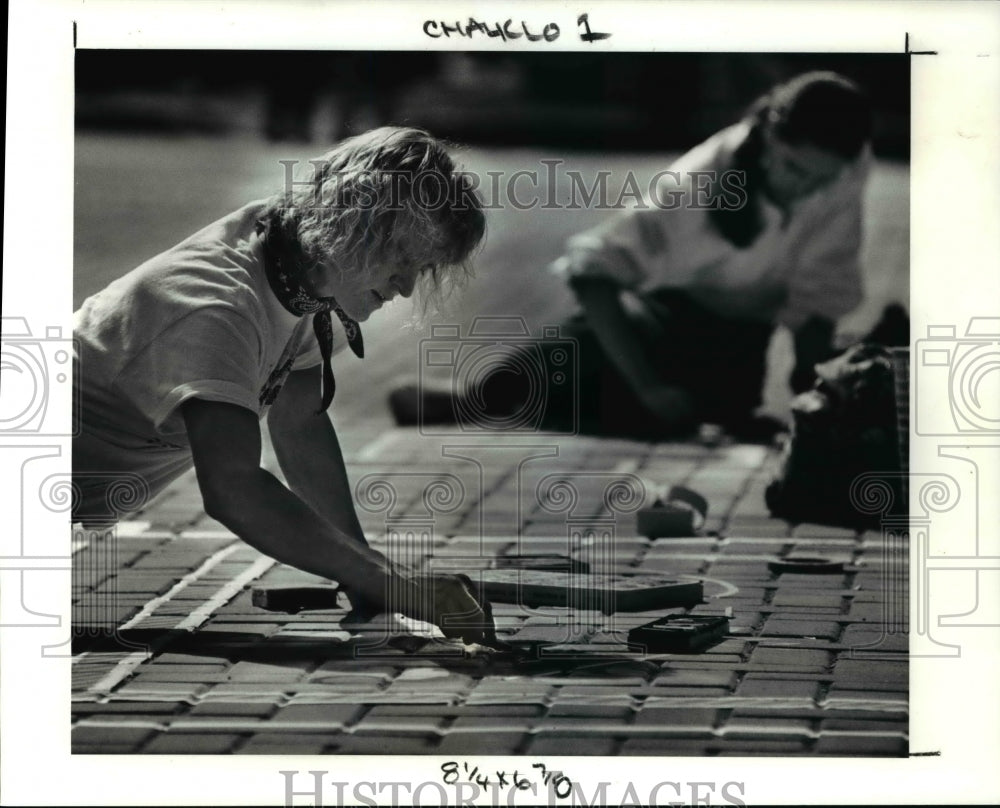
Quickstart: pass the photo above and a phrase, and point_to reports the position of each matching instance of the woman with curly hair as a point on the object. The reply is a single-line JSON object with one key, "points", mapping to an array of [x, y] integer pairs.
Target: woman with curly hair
{"points": [[178, 360]]}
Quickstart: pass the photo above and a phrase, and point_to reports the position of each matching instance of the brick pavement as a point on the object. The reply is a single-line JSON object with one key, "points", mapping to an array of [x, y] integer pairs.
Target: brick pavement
{"points": [[171, 657]]}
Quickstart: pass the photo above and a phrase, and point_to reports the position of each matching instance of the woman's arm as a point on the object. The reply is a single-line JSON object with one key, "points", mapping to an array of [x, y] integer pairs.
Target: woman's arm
{"points": [[602, 305], [309, 453], [226, 446]]}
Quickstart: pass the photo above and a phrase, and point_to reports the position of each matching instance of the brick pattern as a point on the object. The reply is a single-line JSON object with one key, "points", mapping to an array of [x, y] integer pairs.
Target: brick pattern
{"points": [[814, 664]]}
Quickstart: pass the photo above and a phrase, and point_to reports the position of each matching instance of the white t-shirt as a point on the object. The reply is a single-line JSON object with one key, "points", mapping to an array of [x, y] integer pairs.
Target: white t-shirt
{"points": [[196, 321], [800, 264]]}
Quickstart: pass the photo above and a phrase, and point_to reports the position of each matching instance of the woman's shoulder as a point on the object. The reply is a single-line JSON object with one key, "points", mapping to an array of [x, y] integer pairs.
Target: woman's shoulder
{"points": [[699, 170], [226, 241], [218, 266], [716, 152], [218, 261]]}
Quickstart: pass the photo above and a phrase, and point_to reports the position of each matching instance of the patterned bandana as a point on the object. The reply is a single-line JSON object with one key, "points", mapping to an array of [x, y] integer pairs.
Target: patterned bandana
{"points": [[284, 277]]}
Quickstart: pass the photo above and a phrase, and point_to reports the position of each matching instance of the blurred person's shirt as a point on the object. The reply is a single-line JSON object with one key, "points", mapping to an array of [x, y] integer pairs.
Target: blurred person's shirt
{"points": [[802, 263], [196, 321]]}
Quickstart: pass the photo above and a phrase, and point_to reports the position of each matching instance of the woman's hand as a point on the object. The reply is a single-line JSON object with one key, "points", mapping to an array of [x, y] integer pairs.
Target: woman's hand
{"points": [[450, 603], [854, 326]]}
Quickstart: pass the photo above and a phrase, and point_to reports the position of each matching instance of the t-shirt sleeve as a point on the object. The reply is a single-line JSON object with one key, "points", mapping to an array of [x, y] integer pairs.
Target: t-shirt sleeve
{"points": [[211, 353], [635, 246]]}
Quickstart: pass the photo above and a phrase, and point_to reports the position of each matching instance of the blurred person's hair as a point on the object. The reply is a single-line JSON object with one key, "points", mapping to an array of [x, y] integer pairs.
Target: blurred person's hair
{"points": [[376, 193], [821, 109]]}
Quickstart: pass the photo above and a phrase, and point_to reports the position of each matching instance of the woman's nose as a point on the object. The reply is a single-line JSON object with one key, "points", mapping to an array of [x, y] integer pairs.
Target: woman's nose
{"points": [[405, 283]]}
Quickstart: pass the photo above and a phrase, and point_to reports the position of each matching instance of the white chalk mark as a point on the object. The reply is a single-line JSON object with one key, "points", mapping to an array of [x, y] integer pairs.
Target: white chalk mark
{"points": [[373, 450], [127, 666], [226, 593]]}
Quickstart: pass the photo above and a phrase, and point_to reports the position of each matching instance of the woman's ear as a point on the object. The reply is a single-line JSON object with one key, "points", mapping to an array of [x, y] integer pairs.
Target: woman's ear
{"points": [[314, 278]]}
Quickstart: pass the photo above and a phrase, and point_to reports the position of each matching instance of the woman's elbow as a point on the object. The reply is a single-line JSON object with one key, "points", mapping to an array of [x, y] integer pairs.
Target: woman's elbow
{"points": [[226, 497]]}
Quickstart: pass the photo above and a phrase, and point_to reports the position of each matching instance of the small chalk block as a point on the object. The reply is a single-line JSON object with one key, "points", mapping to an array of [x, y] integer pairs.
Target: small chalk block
{"points": [[806, 566], [678, 633], [294, 599], [665, 520]]}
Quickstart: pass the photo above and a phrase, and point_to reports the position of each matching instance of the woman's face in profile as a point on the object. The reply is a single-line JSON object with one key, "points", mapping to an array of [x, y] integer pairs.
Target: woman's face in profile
{"points": [[793, 171], [361, 293]]}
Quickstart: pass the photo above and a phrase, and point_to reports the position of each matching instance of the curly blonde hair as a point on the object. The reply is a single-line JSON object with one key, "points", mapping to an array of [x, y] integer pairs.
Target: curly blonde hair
{"points": [[375, 197]]}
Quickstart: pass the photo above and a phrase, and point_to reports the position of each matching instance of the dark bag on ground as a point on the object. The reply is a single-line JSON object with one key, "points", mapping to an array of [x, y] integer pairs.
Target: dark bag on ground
{"points": [[844, 427]]}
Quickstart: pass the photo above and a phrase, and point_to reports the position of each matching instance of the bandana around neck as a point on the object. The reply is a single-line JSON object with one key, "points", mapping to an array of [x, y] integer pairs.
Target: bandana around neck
{"points": [[284, 276]]}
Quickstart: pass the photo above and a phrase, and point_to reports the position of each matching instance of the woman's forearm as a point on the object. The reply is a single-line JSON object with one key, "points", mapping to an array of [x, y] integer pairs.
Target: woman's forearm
{"points": [[610, 322], [272, 519], [312, 462], [309, 453]]}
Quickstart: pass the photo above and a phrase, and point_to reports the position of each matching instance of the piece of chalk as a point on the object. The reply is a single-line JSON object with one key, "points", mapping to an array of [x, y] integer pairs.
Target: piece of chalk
{"points": [[294, 599], [665, 520]]}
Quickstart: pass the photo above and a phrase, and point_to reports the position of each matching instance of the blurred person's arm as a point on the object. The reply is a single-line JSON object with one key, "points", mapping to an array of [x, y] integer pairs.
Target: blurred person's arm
{"points": [[622, 253], [601, 302], [225, 443]]}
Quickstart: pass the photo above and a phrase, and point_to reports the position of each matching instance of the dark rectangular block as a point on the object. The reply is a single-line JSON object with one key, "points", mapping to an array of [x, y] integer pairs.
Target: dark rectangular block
{"points": [[293, 599], [677, 632], [607, 593]]}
